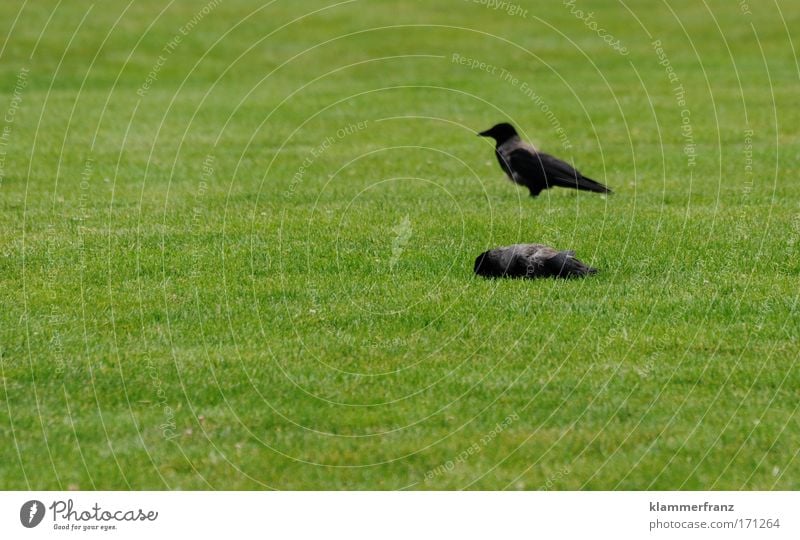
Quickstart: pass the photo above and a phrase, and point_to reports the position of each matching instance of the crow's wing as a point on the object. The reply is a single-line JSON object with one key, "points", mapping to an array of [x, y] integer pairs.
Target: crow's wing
{"points": [[541, 165], [550, 171], [564, 264]]}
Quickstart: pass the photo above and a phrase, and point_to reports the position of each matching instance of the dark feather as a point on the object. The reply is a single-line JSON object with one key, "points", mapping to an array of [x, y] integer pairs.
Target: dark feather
{"points": [[542, 171], [530, 261]]}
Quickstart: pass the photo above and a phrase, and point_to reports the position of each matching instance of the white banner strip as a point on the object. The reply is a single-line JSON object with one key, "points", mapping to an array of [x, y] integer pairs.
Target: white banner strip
{"points": [[400, 515]]}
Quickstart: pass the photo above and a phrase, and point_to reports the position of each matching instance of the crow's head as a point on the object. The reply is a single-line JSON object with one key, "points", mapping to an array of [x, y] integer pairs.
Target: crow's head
{"points": [[500, 133], [482, 267]]}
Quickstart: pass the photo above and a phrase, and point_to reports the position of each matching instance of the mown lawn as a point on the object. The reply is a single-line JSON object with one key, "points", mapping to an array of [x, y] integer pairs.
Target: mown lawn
{"points": [[236, 246]]}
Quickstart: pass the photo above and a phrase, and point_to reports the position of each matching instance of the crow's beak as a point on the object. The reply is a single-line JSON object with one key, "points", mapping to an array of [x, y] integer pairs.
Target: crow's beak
{"points": [[483, 133]]}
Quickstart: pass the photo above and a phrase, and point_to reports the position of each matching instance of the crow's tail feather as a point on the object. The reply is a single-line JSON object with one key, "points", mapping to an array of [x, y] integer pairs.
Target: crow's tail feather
{"points": [[565, 265], [585, 184], [588, 184]]}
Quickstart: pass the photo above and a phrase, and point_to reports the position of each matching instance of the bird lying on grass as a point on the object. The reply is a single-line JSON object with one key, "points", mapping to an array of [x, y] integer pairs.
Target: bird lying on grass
{"points": [[530, 261], [535, 170]]}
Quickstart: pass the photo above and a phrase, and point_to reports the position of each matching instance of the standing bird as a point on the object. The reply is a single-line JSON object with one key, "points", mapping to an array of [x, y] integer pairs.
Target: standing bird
{"points": [[535, 170], [530, 261]]}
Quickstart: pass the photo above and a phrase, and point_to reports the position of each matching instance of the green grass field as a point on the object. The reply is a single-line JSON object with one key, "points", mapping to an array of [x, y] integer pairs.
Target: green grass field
{"points": [[236, 246]]}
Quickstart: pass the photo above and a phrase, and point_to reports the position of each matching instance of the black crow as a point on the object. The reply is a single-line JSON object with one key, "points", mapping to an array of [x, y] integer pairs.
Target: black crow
{"points": [[530, 261], [535, 170]]}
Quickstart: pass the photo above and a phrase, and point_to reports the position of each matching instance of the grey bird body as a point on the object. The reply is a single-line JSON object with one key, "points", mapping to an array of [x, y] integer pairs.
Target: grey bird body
{"points": [[537, 171], [530, 261]]}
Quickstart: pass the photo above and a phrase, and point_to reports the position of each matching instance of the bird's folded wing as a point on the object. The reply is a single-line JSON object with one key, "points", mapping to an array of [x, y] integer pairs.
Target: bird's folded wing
{"points": [[533, 165], [543, 254]]}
